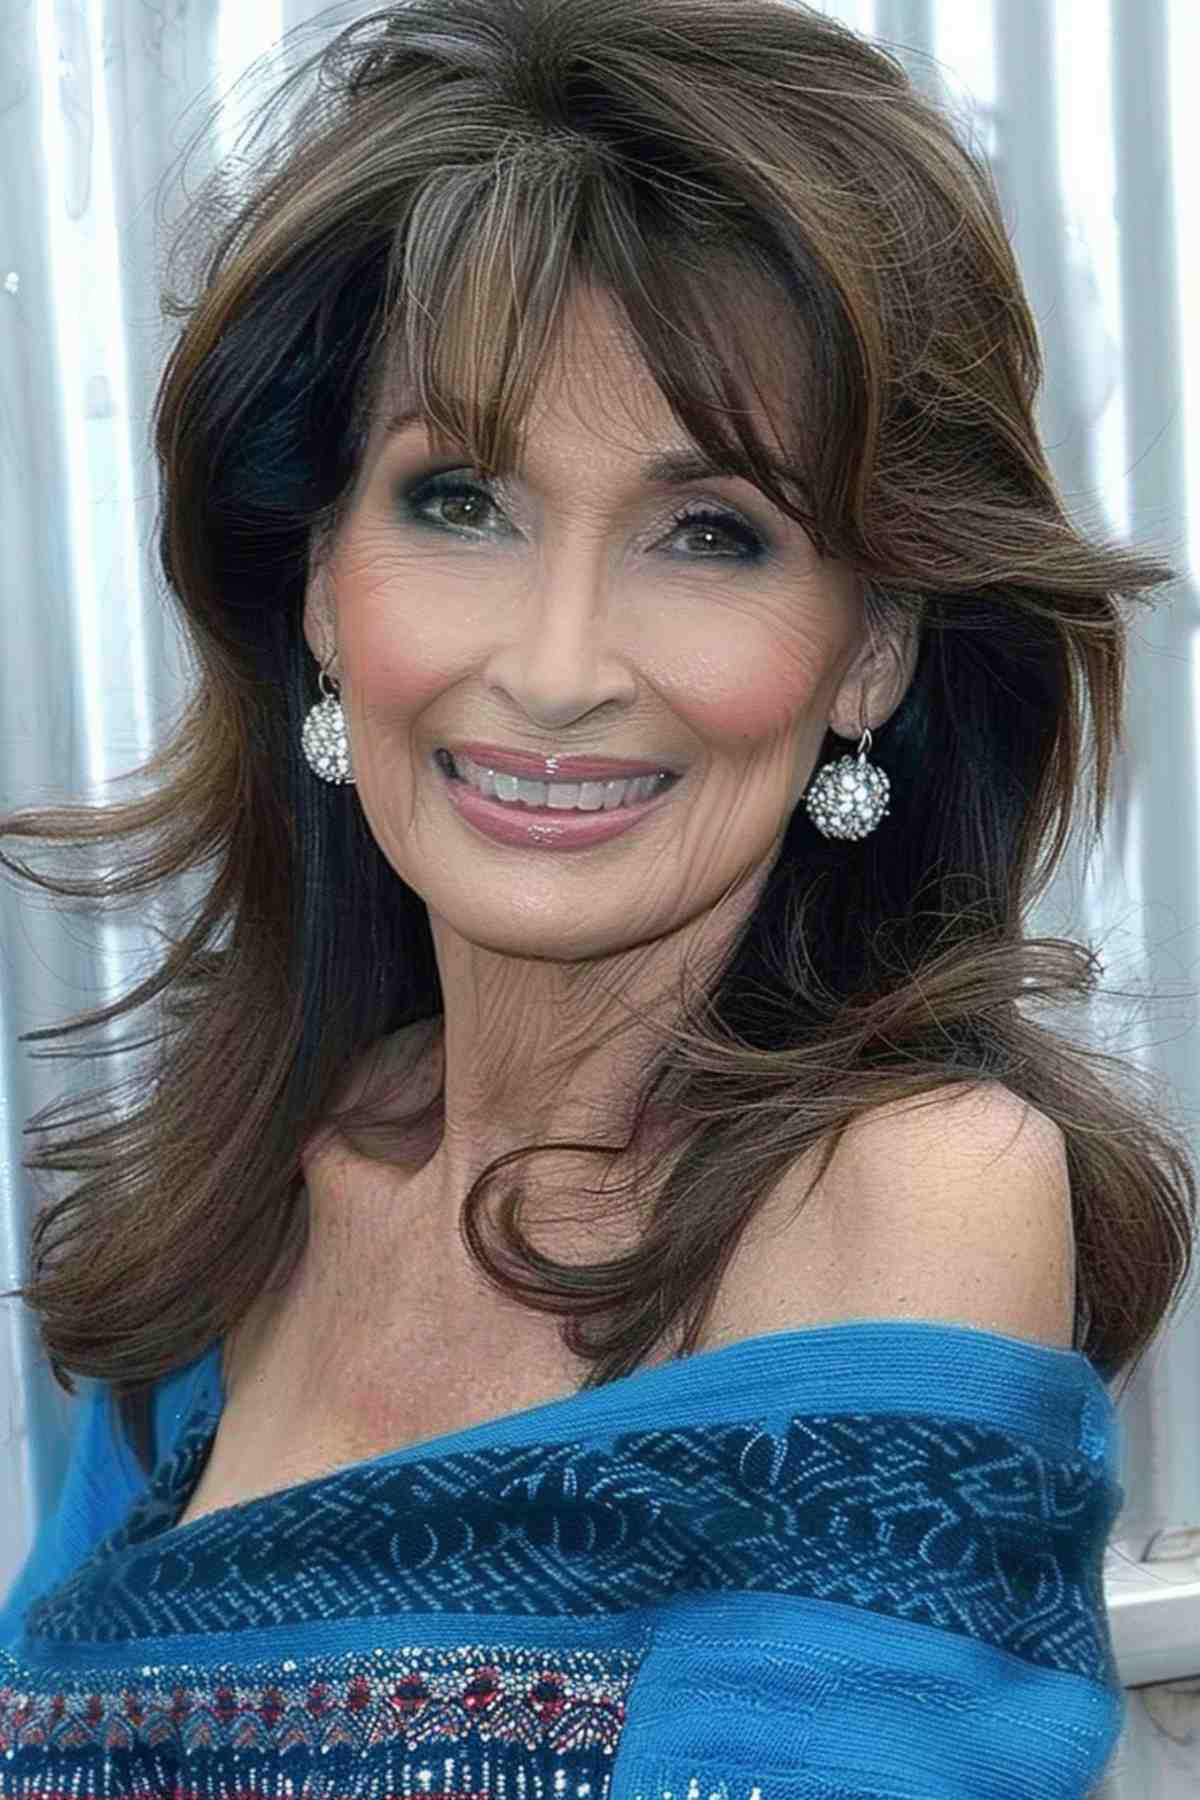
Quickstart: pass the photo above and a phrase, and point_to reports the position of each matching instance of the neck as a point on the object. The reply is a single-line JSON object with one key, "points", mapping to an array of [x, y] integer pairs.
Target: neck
{"points": [[535, 1050], [530, 1051]]}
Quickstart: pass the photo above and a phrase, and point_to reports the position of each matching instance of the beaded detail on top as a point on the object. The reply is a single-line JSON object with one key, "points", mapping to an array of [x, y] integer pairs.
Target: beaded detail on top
{"points": [[458, 1722]]}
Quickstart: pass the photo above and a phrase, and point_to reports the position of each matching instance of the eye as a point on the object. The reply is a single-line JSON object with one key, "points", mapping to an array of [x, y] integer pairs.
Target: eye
{"points": [[704, 520], [454, 488], [701, 522]]}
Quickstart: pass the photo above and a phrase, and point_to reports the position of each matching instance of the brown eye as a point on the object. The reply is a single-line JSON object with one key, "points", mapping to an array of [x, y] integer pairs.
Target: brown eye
{"points": [[464, 506], [467, 500], [703, 523]]}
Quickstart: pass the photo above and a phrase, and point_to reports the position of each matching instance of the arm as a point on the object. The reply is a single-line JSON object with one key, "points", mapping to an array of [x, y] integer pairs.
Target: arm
{"points": [[100, 1485], [103, 1480]]}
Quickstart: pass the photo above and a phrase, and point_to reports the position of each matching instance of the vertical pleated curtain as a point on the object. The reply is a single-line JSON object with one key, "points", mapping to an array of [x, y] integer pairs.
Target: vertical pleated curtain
{"points": [[1087, 111]]}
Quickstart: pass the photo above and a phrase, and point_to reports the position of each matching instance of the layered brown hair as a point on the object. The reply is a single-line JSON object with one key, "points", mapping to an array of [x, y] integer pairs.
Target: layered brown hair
{"points": [[423, 195]]}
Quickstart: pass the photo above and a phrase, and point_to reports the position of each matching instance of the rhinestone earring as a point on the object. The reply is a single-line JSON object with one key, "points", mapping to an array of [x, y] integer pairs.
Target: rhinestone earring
{"points": [[324, 738], [850, 796]]}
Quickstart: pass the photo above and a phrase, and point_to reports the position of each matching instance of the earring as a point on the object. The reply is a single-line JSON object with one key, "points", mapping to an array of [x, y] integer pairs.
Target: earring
{"points": [[850, 796], [324, 739]]}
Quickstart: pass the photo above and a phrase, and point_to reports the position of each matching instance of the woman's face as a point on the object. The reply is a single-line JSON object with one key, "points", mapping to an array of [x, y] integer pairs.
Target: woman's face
{"points": [[564, 612]]}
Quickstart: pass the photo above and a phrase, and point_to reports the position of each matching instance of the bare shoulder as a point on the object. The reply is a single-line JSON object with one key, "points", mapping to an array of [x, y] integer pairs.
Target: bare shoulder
{"points": [[920, 1149], [954, 1208]]}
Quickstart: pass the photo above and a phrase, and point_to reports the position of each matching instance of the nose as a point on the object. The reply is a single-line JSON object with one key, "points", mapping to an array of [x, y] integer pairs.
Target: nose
{"points": [[560, 661]]}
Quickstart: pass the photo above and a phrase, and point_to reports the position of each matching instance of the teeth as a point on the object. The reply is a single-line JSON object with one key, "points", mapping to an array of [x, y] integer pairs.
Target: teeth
{"points": [[560, 796]]}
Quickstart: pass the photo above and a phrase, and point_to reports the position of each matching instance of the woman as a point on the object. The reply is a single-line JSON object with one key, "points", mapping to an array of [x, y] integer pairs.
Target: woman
{"points": [[595, 413]]}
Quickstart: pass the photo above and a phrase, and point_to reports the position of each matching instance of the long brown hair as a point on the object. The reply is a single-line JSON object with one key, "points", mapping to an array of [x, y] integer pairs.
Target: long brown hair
{"points": [[424, 194]]}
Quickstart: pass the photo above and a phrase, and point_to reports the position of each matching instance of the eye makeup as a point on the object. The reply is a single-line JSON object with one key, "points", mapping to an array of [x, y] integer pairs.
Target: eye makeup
{"points": [[417, 497]]}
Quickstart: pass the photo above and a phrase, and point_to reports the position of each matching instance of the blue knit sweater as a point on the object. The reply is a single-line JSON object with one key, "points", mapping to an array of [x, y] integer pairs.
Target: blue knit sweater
{"points": [[849, 1562]]}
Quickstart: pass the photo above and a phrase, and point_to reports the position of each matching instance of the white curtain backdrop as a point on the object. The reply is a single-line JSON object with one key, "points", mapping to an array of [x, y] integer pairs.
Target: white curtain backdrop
{"points": [[1087, 111]]}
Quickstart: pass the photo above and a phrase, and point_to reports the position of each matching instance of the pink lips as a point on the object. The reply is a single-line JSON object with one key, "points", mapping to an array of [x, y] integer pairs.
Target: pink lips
{"points": [[555, 768], [543, 829]]}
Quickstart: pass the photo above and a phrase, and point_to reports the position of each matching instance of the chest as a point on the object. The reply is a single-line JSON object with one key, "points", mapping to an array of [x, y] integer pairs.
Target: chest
{"points": [[383, 1347], [284, 1424]]}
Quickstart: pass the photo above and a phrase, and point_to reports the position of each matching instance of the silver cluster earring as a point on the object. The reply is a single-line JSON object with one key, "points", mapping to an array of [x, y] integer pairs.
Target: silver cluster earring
{"points": [[324, 738], [848, 797]]}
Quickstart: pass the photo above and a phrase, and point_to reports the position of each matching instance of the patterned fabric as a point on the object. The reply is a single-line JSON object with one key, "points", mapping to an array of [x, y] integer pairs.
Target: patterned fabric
{"points": [[713, 1578], [402, 1721]]}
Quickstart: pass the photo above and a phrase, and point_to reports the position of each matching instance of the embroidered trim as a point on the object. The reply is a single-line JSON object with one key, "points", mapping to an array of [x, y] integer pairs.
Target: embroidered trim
{"points": [[459, 1721]]}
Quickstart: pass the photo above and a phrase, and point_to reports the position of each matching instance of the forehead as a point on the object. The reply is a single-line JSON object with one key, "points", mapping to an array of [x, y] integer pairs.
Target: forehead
{"points": [[595, 385]]}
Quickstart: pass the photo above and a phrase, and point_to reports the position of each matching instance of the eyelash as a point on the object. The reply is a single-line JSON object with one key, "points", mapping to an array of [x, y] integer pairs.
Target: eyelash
{"points": [[439, 488]]}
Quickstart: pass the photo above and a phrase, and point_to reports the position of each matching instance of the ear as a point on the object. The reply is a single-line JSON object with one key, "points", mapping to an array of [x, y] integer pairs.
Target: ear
{"points": [[320, 630], [877, 679]]}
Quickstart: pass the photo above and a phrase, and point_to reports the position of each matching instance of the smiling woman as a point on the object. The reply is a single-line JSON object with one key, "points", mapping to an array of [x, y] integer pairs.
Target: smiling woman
{"points": [[566, 618], [591, 418]]}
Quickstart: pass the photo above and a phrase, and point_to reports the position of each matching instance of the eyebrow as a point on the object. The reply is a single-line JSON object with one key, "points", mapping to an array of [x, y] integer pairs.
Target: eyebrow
{"points": [[672, 468]]}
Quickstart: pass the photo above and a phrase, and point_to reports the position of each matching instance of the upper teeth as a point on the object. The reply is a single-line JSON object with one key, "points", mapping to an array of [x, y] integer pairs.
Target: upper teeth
{"points": [[566, 796]]}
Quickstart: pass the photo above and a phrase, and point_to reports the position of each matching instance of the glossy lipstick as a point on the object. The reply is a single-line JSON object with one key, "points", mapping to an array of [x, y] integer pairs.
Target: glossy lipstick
{"points": [[543, 828], [556, 768]]}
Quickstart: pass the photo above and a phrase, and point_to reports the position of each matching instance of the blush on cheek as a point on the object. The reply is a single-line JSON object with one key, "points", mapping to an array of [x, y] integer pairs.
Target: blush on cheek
{"points": [[394, 655], [388, 674], [754, 677], [747, 709]]}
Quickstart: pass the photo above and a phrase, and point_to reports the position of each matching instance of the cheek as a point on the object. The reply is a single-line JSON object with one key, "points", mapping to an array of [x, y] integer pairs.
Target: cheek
{"points": [[763, 691], [761, 712], [393, 650], [392, 672]]}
